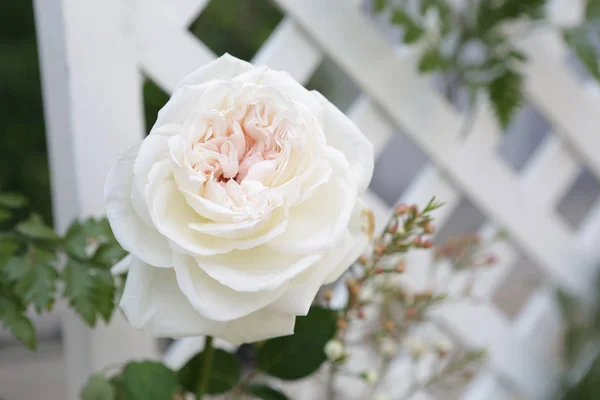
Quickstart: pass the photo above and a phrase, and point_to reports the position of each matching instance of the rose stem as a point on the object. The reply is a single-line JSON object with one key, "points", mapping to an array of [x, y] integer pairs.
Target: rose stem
{"points": [[205, 369]]}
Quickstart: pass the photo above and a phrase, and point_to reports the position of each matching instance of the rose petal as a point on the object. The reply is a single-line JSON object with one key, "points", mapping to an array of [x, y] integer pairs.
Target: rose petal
{"points": [[345, 136], [260, 268], [152, 301], [319, 222], [173, 217], [137, 237], [302, 290], [225, 67], [214, 300], [359, 241]]}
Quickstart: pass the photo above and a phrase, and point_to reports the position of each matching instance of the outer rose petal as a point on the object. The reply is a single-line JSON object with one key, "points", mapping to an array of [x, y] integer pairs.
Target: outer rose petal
{"points": [[302, 290], [214, 300], [319, 222], [343, 134], [137, 237], [152, 301], [260, 268], [225, 67], [359, 241]]}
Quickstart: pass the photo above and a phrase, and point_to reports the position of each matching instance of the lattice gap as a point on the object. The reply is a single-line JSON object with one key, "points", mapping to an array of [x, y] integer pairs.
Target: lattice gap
{"points": [[522, 139], [513, 292], [333, 83], [154, 99], [241, 35], [579, 199], [466, 219]]}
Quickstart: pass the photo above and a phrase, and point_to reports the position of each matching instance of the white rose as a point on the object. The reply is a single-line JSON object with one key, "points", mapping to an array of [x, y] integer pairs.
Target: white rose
{"points": [[239, 205]]}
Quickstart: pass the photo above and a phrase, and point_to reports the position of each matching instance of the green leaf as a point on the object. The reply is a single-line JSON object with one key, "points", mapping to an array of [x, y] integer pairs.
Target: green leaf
{"points": [[35, 228], [226, 372], [412, 30], [12, 316], [592, 10], [506, 95], [108, 255], [265, 392], [120, 390], [300, 354], [90, 291], [34, 277], [84, 238], [578, 39], [576, 331], [13, 200], [98, 388], [149, 380], [432, 60], [379, 5], [5, 215], [517, 55], [8, 247]]}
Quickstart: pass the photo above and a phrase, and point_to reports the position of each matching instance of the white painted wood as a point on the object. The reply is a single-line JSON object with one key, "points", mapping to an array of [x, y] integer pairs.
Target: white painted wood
{"points": [[93, 111], [186, 10]]}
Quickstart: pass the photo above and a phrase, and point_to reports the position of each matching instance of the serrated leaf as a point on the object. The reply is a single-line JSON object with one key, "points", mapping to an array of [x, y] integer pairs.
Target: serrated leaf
{"points": [[8, 247], [90, 291], [226, 372], [119, 385], [265, 392], [578, 39], [379, 5], [34, 277], [84, 238], [431, 60], [13, 200], [149, 380], [412, 30], [108, 255], [506, 96], [5, 215], [13, 317], [592, 10], [35, 228], [301, 354], [98, 388]]}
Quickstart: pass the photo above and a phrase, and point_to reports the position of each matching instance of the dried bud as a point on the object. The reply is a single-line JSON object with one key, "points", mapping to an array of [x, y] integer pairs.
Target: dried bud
{"points": [[443, 347], [410, 313], [389, 325], [427, 294], [429, 228], [363, 260], [328, 295], [414, 209], [401, 267], [334, 350], [427, 244], [342, 324], [380, 249], [361, 314], [401, 209], [393, 228], [489, 260], [417, 242], [379, 270]]}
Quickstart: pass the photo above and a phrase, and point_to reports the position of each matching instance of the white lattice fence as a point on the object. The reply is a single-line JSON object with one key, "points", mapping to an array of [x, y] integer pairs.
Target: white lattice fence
{"points": [[94, 54]]}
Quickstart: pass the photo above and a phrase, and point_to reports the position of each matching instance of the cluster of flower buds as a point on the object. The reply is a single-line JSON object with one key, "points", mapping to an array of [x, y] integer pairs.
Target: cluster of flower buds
{"points": [[468, 251]]}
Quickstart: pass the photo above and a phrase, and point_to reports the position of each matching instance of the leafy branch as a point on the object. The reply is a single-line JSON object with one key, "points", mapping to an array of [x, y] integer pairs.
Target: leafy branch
{"points": [[474, 54], [36, 264]]}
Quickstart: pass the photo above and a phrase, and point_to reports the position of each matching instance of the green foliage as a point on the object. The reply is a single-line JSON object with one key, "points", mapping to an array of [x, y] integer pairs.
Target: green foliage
{"points": [[149, 380], [301, 354], [30, 252], [379, 5], [34, 277], [226, 372], [592, 11], [432, 60], [579, 40], [412, 30], [265, 392], [506, 95], [98, 388]]}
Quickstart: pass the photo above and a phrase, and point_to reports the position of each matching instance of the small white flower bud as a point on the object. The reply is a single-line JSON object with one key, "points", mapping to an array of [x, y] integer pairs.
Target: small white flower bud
{"points": [[443, 346], [388, 347], [370, 376], [334, 350], [415, 346], [366, 294]]}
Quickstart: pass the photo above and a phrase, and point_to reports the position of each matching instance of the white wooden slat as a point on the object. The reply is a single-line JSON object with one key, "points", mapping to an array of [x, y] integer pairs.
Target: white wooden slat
{"points": [[552, 86], [370, 121], [355, 45], [288, 49], [486, 387], [166, 53], [186, 10], [92, 102]]}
